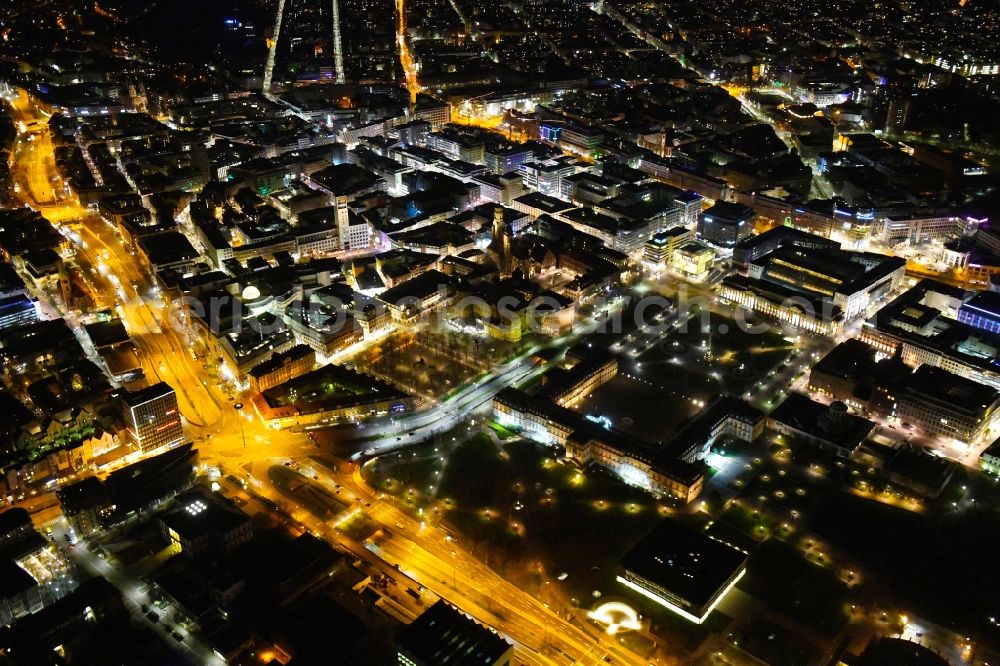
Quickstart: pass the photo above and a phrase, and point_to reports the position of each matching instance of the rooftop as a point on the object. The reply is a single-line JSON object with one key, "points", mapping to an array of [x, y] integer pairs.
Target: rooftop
{"points": [[729, 211], [418, 287], [947, 387], [986, 302], [14, 519], [136, 398], [684, 561], [831, 424], [199, 512], [444, 635]]}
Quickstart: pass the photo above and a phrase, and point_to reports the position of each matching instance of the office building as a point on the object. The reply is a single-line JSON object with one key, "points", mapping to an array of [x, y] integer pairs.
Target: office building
{"points": [[693, 260], [86, 505], [17, 307], [202, 523], [500, 160], [946, 405], [152, 416], [659, 250], [17, 310], [982, 311], [689, 204], [547, 176], [457, 146], [572, 138], [624, 234], [725, 224]]}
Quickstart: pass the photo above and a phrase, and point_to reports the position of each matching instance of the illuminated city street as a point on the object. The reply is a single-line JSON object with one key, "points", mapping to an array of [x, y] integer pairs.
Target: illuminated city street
{"points": [[419, 332]]}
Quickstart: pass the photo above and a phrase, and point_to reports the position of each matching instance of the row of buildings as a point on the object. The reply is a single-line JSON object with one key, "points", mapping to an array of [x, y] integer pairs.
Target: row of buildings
{"points": [[669, 468], [937, 402]]}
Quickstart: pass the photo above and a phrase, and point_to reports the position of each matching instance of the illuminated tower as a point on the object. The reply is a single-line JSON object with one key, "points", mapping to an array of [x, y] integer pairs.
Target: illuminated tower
{"points": [[272, 51], [499, 248], [338, 51]]}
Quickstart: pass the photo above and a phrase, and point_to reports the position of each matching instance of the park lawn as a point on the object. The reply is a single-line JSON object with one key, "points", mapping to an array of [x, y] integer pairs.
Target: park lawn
{"points": [[476, 476], [501, 431], [779, 576], [408, 474], [773, 645], [574, 521], [928, 562]]}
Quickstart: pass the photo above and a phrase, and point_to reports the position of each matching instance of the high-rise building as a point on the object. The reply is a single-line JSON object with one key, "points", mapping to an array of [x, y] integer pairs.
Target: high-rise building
{"points": [[897, 114], [725, 224], [152, 416]]}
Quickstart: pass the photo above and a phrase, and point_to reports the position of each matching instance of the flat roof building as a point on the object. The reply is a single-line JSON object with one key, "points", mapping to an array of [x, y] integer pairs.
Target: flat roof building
{"points": [[682, 569], [204, 523], [445, 635], [982, 311], [659, 250], [850, 280], [725, 224], [923, 323], [781, 236], [152, 416], [830, 427], [693, 259], [945, 404]]}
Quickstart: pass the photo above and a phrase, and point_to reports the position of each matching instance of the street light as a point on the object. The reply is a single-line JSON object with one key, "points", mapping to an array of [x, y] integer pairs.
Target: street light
{"points": [[239, 407]]}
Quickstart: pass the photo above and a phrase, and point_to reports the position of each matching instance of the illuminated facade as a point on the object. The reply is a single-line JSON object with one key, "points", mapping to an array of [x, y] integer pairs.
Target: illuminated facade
{"points": [[851, 281], [989, 461], [542, 421], [725, 224], [508, 329], [152, 417], [982, 311], [670, 478], [693, 260], [666, 469], [778, 305], [282, 367], [923, 324], [202, 523], [659, 250], [682, 569], [946, 405], [922, 229], [588, 372]]}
